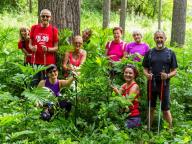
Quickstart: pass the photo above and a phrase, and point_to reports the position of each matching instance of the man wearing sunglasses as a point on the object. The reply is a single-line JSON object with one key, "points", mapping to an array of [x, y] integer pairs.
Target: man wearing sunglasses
{"points": [[43, 43]]}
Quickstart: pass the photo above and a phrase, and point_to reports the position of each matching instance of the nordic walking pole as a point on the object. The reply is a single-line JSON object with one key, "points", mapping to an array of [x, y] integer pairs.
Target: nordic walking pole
{"points": [[34, 57], [149, 100], [161, 96], [44, 54], [44, 58], [149, 109], [76, 102]]}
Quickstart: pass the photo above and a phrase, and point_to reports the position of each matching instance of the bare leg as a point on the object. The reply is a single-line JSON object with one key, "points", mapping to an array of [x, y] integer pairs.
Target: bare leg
{"points": [[167, 116]]}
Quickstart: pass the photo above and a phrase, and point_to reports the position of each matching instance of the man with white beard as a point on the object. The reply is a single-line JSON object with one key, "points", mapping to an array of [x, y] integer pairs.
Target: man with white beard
{"points": [[160, 65]]}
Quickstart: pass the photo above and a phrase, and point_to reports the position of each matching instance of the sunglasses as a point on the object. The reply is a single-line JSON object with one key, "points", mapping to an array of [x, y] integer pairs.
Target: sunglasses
{"points": [[45, 16], [52, 71], [136, 34], [78, 43]]}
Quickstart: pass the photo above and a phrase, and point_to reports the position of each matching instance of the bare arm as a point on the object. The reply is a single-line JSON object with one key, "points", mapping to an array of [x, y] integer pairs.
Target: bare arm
{"points": [[106, 48], [147, 74], [117, 91], [84, 56], [125, 54], [33, 48], [25, 52], [53, 49], [171, 74], [65, 61], [65, 83], [49, 49], [134, 90], [41, 83]]}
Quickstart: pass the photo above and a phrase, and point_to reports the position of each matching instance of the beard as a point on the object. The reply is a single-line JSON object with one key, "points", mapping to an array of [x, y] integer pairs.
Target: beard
{"points": [[160, 45]]}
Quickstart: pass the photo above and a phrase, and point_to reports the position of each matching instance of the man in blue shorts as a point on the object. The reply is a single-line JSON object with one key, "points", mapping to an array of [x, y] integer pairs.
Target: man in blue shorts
{"points": [[160, 65]]}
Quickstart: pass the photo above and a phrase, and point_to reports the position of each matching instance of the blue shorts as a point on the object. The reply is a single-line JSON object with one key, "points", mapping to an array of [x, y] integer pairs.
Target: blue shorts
{"points": [[133, 122]]}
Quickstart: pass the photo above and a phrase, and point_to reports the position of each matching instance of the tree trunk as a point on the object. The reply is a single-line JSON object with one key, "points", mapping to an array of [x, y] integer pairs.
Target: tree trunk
{"points": [[154, 8], [106, 13], [65, 13], [178, 23], [123, 14], [30, 6], [159, 15]]}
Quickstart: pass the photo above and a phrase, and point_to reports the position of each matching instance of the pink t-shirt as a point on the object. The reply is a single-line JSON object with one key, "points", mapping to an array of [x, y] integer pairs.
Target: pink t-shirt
{"points": [[115, 50], [133, 47]]}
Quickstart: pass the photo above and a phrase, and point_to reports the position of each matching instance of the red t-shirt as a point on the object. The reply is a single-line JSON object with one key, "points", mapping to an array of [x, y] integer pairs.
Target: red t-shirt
{"points": [[25, 45], [43, 36], [134, 109]]}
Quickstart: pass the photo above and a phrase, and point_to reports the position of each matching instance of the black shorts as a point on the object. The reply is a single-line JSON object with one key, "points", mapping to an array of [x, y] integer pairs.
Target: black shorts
{"points": [[156, 91]]}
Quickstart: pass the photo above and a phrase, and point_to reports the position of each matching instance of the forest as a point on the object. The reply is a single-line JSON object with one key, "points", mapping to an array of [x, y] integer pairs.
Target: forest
{"points": [[96, 116]]}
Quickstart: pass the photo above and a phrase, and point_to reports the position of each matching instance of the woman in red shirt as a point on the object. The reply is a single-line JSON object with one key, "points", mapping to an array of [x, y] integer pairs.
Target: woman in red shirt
{"points": [[74, 59], [131, 88], [23, 44]]}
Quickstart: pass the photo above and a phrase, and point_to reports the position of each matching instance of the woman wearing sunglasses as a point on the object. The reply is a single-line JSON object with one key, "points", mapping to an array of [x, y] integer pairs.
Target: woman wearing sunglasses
{"points": [[74, 59], [55, 85]]}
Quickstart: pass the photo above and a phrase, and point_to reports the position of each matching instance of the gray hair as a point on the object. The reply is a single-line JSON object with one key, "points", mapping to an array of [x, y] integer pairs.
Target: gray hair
{"points": [[45, 10], [160, 31], [137, 32]]}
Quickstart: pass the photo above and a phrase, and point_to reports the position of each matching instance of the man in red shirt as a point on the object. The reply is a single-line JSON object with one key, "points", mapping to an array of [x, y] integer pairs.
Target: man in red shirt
{"points": [[43, 43]]}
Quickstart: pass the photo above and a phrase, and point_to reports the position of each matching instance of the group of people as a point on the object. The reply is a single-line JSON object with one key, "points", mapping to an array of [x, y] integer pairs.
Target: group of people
{"points": [[40, 44], [159, 64]]}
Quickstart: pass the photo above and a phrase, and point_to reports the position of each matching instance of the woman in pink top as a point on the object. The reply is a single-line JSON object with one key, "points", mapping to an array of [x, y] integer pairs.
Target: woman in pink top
{"points": [[73, 60], [115, 48]]}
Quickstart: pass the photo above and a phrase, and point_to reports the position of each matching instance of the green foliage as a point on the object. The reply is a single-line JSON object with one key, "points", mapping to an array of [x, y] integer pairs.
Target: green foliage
{"points": [[16, 5], [99, 111], [92, 5], [64, 45], [147, 8]]}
